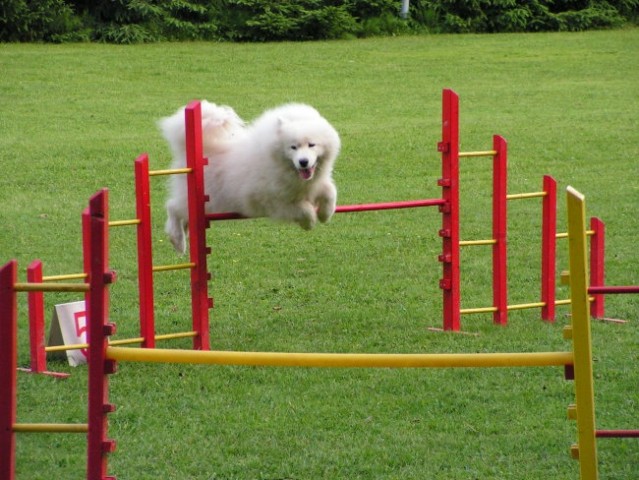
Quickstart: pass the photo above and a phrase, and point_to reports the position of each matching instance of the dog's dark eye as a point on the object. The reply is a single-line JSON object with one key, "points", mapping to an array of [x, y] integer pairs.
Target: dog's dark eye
{"points": [[311, 145], [293, 147]]}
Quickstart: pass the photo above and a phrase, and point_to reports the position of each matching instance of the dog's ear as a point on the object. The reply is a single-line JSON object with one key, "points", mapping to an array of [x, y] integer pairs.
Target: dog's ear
{"points": [[281, 122]]}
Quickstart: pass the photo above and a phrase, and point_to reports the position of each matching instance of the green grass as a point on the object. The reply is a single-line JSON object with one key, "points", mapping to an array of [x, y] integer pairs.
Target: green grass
{"points": [[73, 119]]}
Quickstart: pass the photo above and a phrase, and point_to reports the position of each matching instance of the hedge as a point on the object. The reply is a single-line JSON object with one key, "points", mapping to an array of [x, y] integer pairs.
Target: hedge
{"points": [[134, 21]]}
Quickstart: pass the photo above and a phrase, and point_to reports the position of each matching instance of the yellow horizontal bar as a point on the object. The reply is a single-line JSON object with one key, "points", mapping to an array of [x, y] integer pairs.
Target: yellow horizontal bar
{"points": [[68, 276], [520, 306], [467, 243], [563, 302], [64, 348], [51, 427], [342, 360], [179, 266], [124, 341], [124, 223], [166, 336], [51, 287], [485, 153], [466, 311], [523, 306], [173, 171], [519, 196], [171, 336], [589, 233]]}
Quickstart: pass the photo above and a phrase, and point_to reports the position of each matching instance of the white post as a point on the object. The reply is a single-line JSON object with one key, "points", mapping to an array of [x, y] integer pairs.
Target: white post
{"points": [[404, 12]]}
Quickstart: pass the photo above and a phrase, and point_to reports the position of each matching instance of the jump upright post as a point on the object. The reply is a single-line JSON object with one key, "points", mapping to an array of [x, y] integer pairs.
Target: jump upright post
{"points": [[451, 157], [146, 269], [580, 294], [104, 358], [449, 182], [104, 355], [578, 358], [98, 277]]}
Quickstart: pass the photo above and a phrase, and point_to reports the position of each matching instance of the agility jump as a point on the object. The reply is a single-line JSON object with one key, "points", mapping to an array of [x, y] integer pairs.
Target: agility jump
{"points": [[103, 358], [448, 206], [103, 355]]}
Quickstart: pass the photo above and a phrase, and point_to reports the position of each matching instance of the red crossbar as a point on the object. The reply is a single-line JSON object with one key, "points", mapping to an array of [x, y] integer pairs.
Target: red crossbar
{"points": [[612, 289], [364, 207], [617, 433]]}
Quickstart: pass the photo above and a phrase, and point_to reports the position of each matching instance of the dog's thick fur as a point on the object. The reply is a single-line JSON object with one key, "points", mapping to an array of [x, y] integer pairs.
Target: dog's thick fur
{"points": [[279, 166]]}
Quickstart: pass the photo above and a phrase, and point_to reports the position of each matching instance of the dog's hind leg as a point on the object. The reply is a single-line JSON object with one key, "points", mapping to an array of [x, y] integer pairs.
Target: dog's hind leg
{"points": [[176, 227]]}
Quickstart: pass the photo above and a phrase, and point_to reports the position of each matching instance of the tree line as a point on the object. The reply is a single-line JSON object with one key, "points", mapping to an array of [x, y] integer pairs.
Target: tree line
{"points": [[137, 21]]}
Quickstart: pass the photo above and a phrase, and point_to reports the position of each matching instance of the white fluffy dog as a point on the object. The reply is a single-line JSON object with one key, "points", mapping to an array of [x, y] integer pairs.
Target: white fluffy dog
{"points": [[280, 166]]}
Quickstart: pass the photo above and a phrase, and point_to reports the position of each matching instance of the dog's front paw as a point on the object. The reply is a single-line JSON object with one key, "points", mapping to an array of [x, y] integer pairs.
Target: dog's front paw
{"points": [[307, 218], [326, 209], [326, 202]]}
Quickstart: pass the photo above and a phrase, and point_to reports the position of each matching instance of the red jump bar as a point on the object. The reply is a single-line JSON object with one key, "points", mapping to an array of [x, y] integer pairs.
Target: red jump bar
{"points": [[364, 207], [612, 289]]}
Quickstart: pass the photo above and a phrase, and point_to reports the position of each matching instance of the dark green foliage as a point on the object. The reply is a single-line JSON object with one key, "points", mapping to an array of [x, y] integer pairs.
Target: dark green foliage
{"points": [[39, 21], [259, 20], [488, 16], [136, 21]]}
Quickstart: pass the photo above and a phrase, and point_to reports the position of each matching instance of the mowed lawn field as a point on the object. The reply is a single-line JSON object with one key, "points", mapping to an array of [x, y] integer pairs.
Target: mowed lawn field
{"points": [[74, 117]]}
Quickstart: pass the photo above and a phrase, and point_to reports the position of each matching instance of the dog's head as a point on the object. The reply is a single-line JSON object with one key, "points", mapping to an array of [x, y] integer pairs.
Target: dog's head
{"points": [[308, 145]]}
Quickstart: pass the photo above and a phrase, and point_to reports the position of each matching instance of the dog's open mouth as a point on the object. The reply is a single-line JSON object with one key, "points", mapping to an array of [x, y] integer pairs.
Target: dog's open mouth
{"points": [[306, 173]]}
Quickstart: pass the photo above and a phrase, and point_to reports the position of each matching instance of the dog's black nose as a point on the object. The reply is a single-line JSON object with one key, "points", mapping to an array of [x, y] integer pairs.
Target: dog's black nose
{"points": [[303, 163]]}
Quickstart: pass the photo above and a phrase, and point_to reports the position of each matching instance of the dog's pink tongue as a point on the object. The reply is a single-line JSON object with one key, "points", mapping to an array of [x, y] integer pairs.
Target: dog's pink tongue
{"points": [[306, 173]]}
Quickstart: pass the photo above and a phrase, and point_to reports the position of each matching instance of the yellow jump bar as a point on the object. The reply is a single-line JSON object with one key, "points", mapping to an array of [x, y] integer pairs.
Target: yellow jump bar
{"points": [[519, 196], [520, 306], [51, 427], [64, 348], [51, 287], [166, 336], [468, 243], [124, 223], [173, 171], [179, 266], [467, 311], [124, 341], [341, 360], [484, 153], [68, 276], [589, 233]]}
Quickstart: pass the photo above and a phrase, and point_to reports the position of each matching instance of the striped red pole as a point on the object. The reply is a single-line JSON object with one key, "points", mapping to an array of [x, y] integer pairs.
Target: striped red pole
{"points": [[200, 301], [500, 228], [549, 249], [449, 149], [597, 265], [35, 302], [8, 367], [97, 301], [145, 251]]}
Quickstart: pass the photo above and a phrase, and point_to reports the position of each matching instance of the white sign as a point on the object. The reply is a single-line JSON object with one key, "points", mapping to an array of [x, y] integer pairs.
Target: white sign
{"points": [[69, 327]]}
